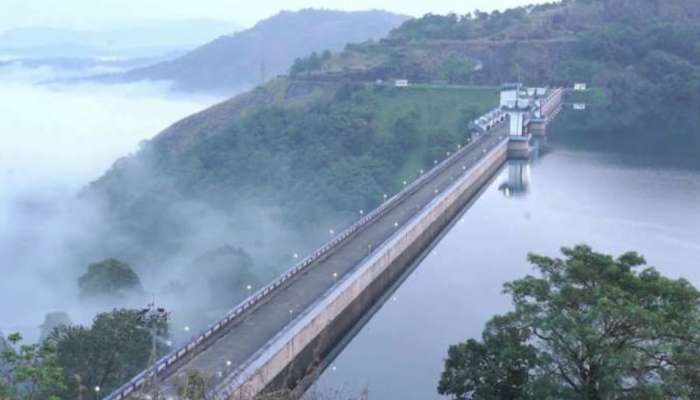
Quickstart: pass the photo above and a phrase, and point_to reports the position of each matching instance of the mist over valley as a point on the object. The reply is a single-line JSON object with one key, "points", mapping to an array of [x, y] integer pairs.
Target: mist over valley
{"points": [[56, 139], [351, 204]]}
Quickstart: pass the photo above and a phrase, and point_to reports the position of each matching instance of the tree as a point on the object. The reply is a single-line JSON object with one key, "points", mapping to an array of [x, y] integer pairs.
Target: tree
{"points": [[439, 144], [194, 386], [116, 347], [110, 277], [310, 63], [407, 131], [496, 369], [52, 321], [589, 327], [229, 271], [29, 372]]}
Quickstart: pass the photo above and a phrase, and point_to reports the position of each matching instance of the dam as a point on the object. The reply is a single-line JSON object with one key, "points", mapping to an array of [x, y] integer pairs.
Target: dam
{"points": [[282, 333]]}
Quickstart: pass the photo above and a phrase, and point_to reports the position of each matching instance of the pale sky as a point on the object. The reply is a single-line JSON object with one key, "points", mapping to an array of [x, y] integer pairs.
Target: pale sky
{"points": [[95, 14]]}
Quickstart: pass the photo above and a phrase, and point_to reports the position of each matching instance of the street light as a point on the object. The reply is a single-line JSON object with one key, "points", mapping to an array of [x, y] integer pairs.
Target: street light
{"points": [[154, 319]]}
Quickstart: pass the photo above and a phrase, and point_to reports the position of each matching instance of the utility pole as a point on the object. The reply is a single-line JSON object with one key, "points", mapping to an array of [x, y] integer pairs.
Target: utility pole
{"points": [[153, 319]]}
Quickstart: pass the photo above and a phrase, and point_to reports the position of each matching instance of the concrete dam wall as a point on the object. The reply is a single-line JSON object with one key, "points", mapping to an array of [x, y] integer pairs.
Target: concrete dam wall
{"points": [[295, 351]]}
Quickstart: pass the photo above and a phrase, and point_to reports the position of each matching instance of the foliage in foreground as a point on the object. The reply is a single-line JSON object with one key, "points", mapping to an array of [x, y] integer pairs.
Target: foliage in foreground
{"points": [[590, 326], [114, 349], [194, 386], [75, 360], [29, 372]]}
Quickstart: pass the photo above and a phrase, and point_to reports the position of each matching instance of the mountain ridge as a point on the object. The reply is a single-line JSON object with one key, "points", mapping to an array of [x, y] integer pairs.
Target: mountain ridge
{"points": [[242, 60]]}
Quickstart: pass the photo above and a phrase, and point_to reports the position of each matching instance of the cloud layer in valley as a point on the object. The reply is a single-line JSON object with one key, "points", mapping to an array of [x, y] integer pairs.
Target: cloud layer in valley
{"points": [[54, 139]]}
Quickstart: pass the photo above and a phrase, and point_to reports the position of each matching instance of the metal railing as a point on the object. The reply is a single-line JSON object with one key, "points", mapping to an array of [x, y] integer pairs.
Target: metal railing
{"points": [[201, 342], [224, 389]]}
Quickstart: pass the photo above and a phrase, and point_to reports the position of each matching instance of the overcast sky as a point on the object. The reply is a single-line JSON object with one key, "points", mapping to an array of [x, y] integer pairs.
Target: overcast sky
{"points": [[95, 14]]}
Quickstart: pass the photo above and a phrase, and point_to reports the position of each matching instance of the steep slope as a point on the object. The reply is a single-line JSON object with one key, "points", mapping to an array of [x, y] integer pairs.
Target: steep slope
{"points": [[247, 58], [309, 155], [314, 148], [539, 44]]}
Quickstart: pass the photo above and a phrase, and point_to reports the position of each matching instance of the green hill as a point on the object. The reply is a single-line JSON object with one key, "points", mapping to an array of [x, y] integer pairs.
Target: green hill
{"points": [[312, 155], [314, 148], [644, 53]]}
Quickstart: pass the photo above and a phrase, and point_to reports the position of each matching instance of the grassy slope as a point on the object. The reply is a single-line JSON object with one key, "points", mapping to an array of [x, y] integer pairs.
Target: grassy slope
{"points": [[439, 109]]}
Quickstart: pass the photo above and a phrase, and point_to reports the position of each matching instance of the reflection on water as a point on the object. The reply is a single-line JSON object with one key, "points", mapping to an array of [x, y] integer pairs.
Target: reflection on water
{"points": [[518, 182], [571, 197]]}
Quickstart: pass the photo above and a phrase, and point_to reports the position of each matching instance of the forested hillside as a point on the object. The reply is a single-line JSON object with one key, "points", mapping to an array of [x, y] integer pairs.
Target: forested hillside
{"points": [[314, 148], [310, 155], [645, 53]]}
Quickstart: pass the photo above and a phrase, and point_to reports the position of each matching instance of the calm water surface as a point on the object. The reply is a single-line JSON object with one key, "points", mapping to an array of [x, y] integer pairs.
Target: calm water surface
{"points": [[572, 197]]}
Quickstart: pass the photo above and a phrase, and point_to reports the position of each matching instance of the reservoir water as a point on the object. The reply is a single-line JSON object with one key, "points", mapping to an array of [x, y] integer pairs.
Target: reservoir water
{"points": [[564, 198]]}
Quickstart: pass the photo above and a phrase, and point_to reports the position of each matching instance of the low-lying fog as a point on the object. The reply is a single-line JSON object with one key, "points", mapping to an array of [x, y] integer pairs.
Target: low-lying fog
{"points": [[54, 139]]}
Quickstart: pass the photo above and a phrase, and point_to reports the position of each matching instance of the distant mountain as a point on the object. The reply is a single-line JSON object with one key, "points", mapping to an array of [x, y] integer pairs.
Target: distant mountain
{"points": [[231, 63], [145, 39]]}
